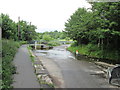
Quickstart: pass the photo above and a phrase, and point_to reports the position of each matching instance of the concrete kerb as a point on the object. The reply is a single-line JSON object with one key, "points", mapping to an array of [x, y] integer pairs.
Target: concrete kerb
{"points": [[42, 74], [107, 69], [104, 67]]}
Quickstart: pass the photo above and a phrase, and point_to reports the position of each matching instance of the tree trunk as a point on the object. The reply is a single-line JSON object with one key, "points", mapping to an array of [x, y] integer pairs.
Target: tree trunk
{"points": [[99, 42]]}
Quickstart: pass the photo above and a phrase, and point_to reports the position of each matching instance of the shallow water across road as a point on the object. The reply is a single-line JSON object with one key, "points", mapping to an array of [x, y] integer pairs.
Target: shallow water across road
{"points": [[68, 72]]}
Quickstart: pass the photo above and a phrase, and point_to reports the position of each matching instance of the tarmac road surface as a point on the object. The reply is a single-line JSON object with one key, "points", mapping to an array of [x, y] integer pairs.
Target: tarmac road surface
{"points": [[67, 72], [25, 77]]}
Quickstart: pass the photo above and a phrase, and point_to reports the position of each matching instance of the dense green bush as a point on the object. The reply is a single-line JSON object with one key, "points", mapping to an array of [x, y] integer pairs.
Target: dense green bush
{"points": [[9, 49], [74, 44], [23, 42], [91, 50]]}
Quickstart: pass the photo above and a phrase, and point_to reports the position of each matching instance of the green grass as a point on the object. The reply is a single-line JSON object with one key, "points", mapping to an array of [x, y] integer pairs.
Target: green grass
{"points": [[81, 49], [65, 40], [9, 49], [45, 83], [31, 56], [93, 51]]}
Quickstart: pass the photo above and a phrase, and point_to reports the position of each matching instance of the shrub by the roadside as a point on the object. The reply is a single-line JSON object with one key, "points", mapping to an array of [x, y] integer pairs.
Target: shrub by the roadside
{"points": [[91, 50], [9, 49], [23, 42]]}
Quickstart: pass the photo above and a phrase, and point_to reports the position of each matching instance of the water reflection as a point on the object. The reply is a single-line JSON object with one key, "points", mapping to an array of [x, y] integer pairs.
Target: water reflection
{"points": [[58, 53]]}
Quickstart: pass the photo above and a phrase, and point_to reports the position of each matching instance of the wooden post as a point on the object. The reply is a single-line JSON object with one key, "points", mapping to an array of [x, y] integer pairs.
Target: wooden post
{"points": [[18, 28], [35, 45]]}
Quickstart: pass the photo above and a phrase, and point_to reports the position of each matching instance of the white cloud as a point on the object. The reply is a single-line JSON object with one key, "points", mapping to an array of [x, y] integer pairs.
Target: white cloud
{"points": [[45, 14]]}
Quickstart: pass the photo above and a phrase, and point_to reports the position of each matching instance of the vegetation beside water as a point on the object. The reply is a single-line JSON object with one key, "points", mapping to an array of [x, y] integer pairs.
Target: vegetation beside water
{"points": [[53, 43], [52, 38], [91, 50], [96, 30]]}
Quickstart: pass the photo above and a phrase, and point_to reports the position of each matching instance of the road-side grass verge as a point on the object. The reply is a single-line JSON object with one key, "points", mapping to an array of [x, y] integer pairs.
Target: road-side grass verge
{"points": [[31, 55], [109, 56], [9, 49]]}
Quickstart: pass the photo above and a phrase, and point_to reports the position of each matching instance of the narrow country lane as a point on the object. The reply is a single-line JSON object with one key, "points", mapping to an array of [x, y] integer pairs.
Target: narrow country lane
{"points": [[25, 77], [67, 72]]}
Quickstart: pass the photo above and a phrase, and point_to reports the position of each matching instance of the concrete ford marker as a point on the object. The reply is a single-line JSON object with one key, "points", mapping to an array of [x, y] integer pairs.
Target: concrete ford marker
{"points": [[114, 75]]}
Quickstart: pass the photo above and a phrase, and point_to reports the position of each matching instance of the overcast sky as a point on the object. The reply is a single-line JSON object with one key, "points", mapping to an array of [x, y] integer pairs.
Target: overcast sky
{"points": [[47, 15]]}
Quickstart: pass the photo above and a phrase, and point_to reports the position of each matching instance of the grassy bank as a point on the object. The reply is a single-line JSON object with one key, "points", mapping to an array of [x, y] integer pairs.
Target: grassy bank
{"points": [[110, 56], [30, 53], [9, 49]]}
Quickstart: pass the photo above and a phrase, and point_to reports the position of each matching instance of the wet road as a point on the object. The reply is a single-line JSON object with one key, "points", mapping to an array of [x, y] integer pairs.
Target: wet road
{"points": [[73, 73]]}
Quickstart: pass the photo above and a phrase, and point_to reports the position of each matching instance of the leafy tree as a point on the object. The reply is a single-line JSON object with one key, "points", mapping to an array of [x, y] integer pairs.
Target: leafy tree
{"points": [[47, 37], [109, 18], [9, 28], [62, 35], [77, 27], [100, 26], [53, 34]]}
